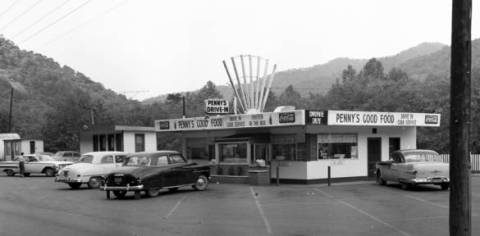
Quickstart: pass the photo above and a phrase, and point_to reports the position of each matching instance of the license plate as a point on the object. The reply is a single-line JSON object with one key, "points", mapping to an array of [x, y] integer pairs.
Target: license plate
{"points": [[437, 180], [117, 180]]}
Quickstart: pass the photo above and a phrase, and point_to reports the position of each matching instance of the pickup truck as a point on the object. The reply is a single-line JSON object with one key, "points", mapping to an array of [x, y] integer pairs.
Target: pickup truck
{"points": [[34, 164]]}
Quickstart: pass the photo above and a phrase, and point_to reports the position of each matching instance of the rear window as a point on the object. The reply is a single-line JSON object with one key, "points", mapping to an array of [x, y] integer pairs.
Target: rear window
{"points": [[86, 159]]}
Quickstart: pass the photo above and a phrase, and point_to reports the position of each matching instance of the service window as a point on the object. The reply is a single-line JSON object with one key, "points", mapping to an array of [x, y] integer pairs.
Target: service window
{"points": [[233, 152], [337, 146], [107, 159]]}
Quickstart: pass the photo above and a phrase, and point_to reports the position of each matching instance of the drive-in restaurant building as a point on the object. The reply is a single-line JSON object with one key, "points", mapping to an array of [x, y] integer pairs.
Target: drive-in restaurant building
{"points": [[300, 144]]}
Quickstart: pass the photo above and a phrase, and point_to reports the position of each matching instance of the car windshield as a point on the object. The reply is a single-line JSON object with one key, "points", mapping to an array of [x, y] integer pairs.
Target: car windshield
{"points": [[422, 157], [138, 161], [86, 159], [45, 158]]}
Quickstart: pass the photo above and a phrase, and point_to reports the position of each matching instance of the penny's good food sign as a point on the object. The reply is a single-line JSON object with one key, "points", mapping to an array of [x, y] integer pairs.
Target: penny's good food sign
{"points": [[361, 118], [268, 119]]}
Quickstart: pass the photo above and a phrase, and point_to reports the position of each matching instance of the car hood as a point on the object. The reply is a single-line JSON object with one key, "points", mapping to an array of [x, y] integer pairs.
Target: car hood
{"points": [[431, 169]]}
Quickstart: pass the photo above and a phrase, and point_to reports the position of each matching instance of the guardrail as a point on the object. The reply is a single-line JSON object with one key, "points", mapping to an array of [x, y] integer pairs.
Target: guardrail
{"points": [[474, 160]]}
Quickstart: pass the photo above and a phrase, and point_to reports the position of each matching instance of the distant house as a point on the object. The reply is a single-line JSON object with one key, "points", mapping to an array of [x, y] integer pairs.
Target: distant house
{"points": [[12, 145], [118, 138]]}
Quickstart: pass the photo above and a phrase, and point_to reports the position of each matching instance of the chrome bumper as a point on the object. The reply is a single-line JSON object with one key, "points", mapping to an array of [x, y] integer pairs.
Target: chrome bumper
{"points": [[428, 180], [121, 188], [68, 180]]}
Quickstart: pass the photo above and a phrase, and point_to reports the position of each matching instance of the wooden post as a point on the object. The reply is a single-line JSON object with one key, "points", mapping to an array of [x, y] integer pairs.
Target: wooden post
{"points": [[328, 175], [460, 96]]}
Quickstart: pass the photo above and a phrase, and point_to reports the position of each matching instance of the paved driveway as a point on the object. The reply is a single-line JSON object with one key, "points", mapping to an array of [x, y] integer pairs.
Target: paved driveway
{"points": [[38, 206]]}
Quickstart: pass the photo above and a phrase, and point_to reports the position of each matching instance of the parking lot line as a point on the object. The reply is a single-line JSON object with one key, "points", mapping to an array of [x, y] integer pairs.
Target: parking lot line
{"points": [[175, 207], [426, 201], [362, 212], [262, 214]]}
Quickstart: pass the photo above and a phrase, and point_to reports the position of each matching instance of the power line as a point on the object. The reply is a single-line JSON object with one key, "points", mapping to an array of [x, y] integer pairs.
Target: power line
{"points": [[83, 24], [20, 15], [55, 22], [9, 7], [41, 18]]}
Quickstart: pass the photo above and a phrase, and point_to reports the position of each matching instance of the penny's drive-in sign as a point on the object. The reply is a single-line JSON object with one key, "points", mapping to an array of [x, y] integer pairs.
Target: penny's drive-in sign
{"points": [[216, 106]]}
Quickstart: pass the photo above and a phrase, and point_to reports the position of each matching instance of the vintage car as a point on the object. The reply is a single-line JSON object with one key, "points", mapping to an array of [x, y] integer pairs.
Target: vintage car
{"points": [[155, 171], [91, 169], [34, 164], [67, 156], [413, 167]]}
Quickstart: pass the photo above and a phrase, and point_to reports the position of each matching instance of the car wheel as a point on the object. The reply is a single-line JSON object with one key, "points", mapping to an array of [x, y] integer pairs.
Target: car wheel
{"points": [[153, 192], [445, 186], [380, 180], [201, 183], [74, 185], [10, 172], [94, 182], [173, 189], [26, 174], [120, 194], [49, 172]]}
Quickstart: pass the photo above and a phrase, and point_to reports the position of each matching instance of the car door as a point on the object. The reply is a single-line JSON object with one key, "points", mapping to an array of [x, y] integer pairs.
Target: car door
{"points": [[387, 173], [167, 174], [32, 165], [107, 164], [397, 167], [183, 174]]}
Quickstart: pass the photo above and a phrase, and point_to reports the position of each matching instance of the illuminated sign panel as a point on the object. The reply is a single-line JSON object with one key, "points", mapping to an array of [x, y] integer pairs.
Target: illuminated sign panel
{"points": [[268, 119], [362, 118]]}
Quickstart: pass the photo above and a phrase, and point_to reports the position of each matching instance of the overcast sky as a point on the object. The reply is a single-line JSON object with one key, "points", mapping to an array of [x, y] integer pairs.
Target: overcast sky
{"points": [[145, 48]]}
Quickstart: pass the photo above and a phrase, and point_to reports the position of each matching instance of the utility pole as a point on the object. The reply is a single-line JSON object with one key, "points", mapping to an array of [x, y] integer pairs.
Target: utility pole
{"points": [[10, 111], [460, 216]]}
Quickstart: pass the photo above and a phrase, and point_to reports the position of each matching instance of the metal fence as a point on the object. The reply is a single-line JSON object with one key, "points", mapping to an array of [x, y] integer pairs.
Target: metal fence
{"points": [[474, 160]]}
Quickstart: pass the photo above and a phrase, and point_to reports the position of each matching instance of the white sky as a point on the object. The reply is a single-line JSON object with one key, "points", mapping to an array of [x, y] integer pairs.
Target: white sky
{"points": [[146, 48]]}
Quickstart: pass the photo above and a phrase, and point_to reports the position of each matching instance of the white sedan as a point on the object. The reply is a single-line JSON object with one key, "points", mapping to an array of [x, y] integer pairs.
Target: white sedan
{"points": [[91, 169], [414, 167]]}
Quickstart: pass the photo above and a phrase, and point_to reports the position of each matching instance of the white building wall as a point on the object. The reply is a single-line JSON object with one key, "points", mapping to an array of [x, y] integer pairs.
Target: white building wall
{"points": [[86, 143], [128, 142], [150, 142], [358, 167], [290, 169], [25, 146]]}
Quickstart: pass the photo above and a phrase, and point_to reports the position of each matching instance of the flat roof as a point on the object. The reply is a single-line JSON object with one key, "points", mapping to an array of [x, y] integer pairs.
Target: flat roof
{"points": [[300, 118]]}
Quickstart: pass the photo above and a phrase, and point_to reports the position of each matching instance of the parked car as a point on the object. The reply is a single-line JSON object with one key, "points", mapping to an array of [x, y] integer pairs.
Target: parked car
{"points": [[34, 164], [91, 169], [414, 167], [154, 171], [67, 156]]}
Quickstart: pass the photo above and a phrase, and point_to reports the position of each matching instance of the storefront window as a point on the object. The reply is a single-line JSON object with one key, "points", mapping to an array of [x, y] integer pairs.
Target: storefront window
{"points": [[337, 146], [233, 152], [284, 152]]}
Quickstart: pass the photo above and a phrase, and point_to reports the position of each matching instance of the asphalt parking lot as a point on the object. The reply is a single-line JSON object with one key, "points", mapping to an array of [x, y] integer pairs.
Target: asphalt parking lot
{"points": [[39, 206]]}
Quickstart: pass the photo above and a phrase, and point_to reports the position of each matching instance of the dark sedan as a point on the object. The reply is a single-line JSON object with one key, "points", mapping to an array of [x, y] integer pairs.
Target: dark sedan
{"points": [[151, 172]]}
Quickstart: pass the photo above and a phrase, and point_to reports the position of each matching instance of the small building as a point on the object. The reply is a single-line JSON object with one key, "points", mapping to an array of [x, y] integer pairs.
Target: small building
{"points": [[11, 145], [301, 144], [118, 138]]}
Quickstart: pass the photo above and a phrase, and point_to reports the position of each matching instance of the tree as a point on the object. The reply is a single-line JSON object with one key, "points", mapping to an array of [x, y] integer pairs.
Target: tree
{"points": [[348, 74], [373, 69]]}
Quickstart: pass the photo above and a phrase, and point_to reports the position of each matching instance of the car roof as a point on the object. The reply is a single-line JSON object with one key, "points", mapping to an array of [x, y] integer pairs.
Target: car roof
{"points": [[105, 152], [154, 153], [405, 151]]}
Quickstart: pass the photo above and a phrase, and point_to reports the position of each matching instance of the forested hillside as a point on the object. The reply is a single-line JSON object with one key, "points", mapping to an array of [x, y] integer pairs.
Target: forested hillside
{"points": [[60, 101]]}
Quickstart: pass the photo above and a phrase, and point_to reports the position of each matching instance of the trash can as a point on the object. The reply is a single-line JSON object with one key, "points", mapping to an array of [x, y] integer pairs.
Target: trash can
{"points": [[259, 176]]}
